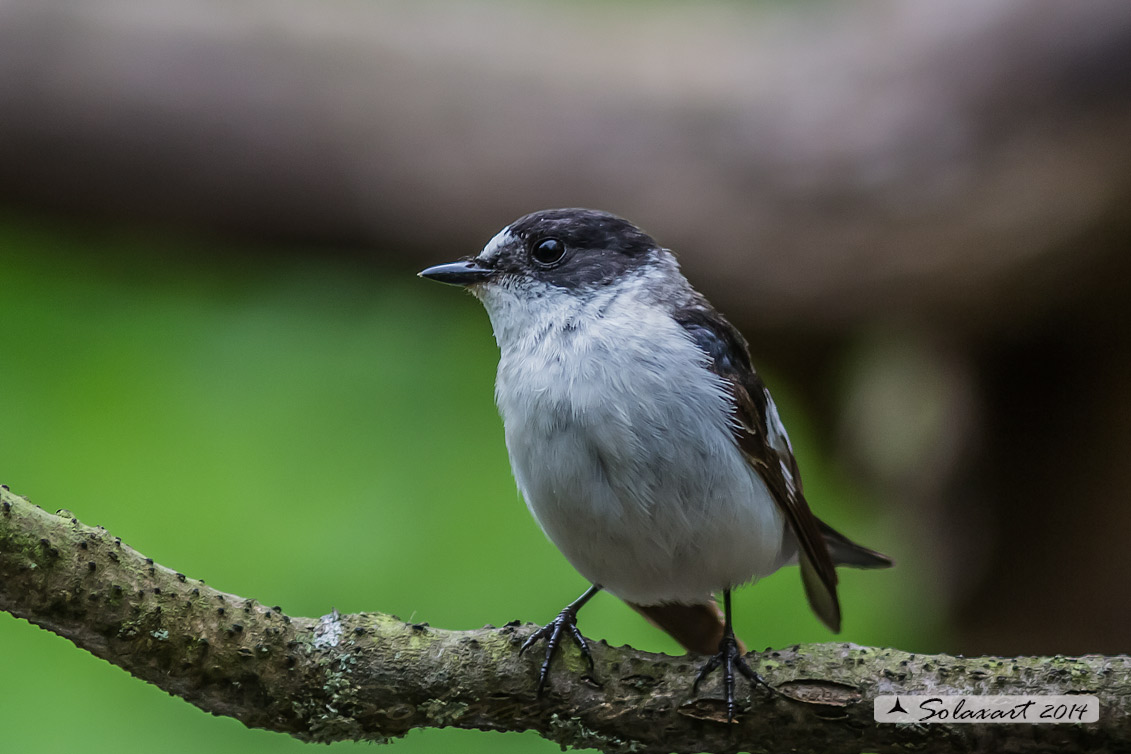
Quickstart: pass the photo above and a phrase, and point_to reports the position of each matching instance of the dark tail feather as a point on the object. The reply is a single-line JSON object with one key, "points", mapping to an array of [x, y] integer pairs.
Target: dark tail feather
{"points": [[698, 628], [845, 552]]}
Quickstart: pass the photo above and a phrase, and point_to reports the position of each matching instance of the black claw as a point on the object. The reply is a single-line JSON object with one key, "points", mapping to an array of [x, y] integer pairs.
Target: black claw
{"points": [[752, 675], [552, 633], [582, 644], [731, 659], [704, 671]]}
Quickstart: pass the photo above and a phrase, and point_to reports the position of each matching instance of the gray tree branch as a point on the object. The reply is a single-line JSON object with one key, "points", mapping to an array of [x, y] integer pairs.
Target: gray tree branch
{"points": [[371, 676]]}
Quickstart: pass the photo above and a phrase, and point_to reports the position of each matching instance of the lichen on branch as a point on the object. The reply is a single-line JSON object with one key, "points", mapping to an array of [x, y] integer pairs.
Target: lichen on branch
{"points": [[371, 676]]}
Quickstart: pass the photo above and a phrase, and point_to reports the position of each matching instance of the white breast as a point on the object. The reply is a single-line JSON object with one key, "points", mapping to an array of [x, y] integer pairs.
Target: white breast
{"points": [[619, 438]]}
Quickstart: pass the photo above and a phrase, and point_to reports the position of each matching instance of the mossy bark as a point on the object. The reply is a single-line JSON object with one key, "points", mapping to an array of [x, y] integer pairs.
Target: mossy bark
{"points": [[371, 676]]}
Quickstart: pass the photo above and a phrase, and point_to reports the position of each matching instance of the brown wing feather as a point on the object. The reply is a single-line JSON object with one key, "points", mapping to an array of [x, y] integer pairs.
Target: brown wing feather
{"points": [[729, 358]]}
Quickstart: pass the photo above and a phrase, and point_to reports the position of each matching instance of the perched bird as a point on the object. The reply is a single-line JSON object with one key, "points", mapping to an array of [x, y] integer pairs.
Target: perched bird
{"points": [[642, 439]]}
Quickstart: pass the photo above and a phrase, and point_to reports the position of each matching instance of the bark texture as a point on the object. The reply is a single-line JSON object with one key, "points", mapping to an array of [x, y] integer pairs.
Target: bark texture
{"points": [[371, 676]]}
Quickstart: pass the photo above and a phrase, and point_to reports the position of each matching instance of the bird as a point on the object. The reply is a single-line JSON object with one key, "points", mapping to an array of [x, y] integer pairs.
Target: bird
{"points": [[642, 439]]}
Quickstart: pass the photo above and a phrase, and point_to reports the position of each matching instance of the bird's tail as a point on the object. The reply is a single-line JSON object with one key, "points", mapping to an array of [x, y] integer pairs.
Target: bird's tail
{"points": [[698, 628], [845, 552]]}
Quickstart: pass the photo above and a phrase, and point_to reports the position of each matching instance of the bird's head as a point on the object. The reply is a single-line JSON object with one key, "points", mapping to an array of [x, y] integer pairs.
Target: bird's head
{"points": [[575, 251]]}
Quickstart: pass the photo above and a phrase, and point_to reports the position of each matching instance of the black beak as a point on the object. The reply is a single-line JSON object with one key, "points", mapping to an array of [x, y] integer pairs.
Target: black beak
{"points": [[458, 273]]}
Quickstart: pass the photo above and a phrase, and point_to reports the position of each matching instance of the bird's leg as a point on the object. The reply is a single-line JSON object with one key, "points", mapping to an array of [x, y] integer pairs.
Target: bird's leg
{"points": [[731, 659], [552, 633]]}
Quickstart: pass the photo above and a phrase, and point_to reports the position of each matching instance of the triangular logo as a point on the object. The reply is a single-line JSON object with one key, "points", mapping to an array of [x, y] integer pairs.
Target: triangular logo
{"points": [[897, 708]]}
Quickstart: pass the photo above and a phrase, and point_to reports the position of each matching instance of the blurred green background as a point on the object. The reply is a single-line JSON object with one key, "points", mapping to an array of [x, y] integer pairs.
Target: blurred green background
{"points": [[316, 436], [213, 342]]}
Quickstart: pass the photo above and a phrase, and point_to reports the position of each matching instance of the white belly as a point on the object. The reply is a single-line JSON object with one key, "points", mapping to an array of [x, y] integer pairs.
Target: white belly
{"points": [[625, 458]]}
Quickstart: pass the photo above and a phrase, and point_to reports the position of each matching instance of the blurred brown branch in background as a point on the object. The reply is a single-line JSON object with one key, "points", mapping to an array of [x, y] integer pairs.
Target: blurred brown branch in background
{"points": [[371, 676], [813, 164]]}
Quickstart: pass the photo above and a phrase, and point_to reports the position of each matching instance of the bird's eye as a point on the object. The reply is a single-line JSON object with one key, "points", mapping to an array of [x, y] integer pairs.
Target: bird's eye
{"points": [[548, 251]]}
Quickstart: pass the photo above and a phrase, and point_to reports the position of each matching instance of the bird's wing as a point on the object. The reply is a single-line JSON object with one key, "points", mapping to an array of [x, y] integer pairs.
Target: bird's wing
{"points": [[763, 440]]}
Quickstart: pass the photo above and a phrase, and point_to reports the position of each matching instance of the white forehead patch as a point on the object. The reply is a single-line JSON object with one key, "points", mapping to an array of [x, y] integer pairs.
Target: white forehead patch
{"points": [[501, 239]]}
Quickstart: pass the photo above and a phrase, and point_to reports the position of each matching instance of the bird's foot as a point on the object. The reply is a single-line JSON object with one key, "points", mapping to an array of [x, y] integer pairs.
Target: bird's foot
{"points": [[731, 659], [552, 632]]}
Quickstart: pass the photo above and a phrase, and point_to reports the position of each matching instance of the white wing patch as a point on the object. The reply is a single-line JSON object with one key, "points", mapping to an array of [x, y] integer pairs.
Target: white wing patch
{"points": [[779, 439]]}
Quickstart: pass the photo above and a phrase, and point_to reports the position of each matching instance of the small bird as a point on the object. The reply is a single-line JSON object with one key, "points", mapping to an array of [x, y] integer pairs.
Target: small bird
{"points": [[643, 441]]}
